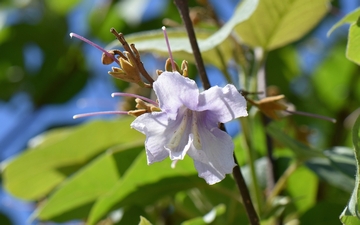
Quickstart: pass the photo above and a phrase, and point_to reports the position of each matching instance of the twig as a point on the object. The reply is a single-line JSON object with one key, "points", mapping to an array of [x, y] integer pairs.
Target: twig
{"points": [[183, 8]]}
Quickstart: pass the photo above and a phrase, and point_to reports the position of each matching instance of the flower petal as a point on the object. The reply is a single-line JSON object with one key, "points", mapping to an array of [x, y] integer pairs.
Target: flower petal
{"points": [[153, 125], [173, 91], [215, 159], [225, 103]]}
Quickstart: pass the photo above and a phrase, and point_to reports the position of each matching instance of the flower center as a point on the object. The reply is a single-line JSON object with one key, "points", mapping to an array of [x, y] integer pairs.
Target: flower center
{"points": [[189, 119]]}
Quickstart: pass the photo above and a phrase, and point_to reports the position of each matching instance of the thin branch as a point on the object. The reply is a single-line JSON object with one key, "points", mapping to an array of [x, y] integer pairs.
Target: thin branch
{"points": [[183, 8], [249, 207]]}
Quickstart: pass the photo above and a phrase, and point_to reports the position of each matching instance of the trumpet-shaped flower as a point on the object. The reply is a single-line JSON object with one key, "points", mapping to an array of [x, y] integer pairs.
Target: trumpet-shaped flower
{"points": [[188, 124]]}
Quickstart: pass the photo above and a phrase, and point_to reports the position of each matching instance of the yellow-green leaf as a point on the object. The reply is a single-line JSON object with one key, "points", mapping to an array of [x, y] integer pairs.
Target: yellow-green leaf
{"points": [[276, 23], [36, 171]]}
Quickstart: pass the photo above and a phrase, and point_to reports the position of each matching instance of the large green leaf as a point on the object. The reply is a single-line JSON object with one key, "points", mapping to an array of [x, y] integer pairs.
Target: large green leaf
{"points": [[351, 212], [303, 193], [210, 44], [83, 188], [342, 158], [141, 175], [331, 88], [35, 172], [353, 46], [325, 170], [276, 23], [348, 18]]}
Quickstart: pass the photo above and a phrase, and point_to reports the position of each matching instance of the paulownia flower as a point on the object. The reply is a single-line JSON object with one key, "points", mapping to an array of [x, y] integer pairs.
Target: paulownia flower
{"points": [[188, 124]]}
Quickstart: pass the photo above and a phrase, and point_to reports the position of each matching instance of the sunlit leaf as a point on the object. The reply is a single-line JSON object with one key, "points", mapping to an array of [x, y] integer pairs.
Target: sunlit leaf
{"points": [[303, 194], [140, 175], [208, 218], [72, 199], [333, 93], [353, 46], [276, 23], [348, 18], [215, 47], [351, 211], [144, 221], [44, 167]]}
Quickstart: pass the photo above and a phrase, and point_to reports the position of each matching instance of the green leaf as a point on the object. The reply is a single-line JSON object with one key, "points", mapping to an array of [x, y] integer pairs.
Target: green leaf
{"points": [[214, 47], [333, 93], [324, 169], [44, 167], [351, 210], [353, 45], [208, 218], [144, 221], [342, 158], [89, 183], [276, 23], [303, 193], [348, 18], [140, 174]]}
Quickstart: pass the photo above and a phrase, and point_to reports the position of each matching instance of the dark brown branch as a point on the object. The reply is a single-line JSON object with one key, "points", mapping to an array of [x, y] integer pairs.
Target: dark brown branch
{"points": [[183, 8]]}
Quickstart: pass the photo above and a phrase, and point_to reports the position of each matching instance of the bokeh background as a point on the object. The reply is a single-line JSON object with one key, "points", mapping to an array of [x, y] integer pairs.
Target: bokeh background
{"points": [[46, 77]]}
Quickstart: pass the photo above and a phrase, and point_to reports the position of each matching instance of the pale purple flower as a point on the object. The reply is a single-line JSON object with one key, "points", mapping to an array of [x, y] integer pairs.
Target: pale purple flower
{"points": [[188, 124]]}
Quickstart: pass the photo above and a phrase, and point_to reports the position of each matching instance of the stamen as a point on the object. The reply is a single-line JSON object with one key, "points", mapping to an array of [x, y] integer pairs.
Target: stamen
{"points": [[135, 96], [168, 46], [100, 113], [96, 46], [311, 115]]}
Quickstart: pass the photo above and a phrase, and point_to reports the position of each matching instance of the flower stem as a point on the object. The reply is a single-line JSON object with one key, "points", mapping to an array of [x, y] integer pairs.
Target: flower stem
{"points": [[249, 150], [249, 207], [183, 8]]}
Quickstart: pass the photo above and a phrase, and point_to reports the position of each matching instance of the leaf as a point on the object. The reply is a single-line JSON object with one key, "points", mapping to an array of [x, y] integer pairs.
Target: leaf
{"points": [[303, 193], [208, 218], [44, 167], [276, 23], [323, 168], [348, 18], [353, 45], [144, 221], [342, 158], [210, 44], [351, 210], [333, 93], [89, 183], [140, 174]]}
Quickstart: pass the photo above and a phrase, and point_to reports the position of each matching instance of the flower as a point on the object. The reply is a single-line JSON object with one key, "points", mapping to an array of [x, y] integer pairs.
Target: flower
{"points": [[188, 124]]}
